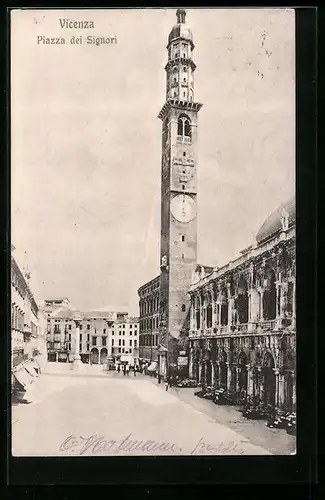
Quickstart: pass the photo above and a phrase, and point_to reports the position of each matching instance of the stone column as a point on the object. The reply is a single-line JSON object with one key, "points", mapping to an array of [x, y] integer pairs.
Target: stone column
{"points": [[200, 372], [77, 363], [190, 363], [219, 313], [212, 373], [253, 309], [283, 299], [277, 388], [229, 376], [238, 370], [214, 307], [294, 304], [192, 316], [259, 383], [281, 398], [230, 312], [261, 304], [293, 391], [249, 306], [250, 381], [278, 304]]}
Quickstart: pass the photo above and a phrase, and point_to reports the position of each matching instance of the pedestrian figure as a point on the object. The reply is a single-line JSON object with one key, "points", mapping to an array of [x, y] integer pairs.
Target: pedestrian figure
{"points": [[124, 369], [127, 369], [118, 368], [159, 378], [166, 384], [135, 371]]}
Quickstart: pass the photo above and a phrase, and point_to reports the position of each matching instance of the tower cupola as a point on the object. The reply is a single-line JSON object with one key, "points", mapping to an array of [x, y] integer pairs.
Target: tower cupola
{"points": [[180, 66]]}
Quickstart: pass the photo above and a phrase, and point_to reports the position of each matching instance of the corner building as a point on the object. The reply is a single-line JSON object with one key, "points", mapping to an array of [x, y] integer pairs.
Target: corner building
{"points": [[243, 318], [149, 320]]}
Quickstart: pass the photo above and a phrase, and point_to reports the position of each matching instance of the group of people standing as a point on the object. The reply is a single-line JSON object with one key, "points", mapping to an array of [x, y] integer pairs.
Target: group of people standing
{"points": [[168, 381], [125, 368]]}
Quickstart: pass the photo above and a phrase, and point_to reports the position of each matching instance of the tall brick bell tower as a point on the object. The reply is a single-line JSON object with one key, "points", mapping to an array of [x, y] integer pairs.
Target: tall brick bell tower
{"points": [[178, 248]]}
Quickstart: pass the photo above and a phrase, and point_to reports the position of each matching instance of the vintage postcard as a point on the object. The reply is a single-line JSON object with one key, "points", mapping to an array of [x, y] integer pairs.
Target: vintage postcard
{"points": [[153, 284]]}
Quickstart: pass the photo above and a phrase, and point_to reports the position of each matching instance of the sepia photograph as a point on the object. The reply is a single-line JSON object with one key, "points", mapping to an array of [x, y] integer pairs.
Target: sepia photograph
{"points": [[153, 232]]}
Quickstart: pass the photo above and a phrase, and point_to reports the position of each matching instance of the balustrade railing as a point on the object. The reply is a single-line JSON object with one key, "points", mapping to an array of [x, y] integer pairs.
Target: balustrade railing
{"points": [[184, 138], [242, 327], [267, 325]]}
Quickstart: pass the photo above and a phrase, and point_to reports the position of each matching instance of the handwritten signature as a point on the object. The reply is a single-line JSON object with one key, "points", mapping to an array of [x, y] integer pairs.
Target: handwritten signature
{"points": [[96, 444]]}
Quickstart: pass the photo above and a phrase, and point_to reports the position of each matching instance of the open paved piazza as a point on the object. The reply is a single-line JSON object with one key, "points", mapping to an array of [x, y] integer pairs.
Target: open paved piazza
{"points": [[92, 412]]}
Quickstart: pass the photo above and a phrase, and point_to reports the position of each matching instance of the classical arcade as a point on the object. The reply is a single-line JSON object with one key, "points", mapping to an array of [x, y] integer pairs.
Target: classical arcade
{"points": [[243, 329]]}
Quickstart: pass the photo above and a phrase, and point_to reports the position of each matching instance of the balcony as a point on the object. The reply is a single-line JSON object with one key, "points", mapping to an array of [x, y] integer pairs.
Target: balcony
{"points": [[267, 325], [184, 138], [242, 328], [27, 330]]}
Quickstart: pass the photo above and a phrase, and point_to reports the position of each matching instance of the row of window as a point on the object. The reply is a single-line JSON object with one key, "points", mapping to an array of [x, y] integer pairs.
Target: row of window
{"points": [[149, 324], [175, 80], [175, 95], [17, 318], [58, 330], [18, 283], [58, 345], [148, 340], [121, 342], [119, 350], [173, 51], [149, 306]]}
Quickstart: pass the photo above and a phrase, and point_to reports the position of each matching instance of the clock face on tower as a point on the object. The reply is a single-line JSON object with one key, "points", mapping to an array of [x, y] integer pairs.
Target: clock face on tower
{"points": [[183, 208]]}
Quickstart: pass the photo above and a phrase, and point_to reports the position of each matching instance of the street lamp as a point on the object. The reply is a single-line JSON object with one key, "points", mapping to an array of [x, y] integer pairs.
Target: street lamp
{"points": [[77, 363]]}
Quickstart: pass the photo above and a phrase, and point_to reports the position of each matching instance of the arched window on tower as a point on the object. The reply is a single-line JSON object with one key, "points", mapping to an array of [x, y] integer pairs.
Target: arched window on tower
{"points": [[184, 127]]}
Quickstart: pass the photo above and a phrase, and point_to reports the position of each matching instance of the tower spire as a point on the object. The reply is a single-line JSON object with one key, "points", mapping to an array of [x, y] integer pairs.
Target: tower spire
{"points": [[181, 14]]}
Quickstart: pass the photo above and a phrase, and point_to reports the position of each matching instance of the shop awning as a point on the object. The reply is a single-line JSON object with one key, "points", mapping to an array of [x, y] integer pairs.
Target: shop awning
{"points": [[153, 366], [23, 377], [30, 369], [35, 365]]}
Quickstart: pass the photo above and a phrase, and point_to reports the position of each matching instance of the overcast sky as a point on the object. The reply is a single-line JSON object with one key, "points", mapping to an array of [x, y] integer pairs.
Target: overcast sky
{"points": [[86, 143]]}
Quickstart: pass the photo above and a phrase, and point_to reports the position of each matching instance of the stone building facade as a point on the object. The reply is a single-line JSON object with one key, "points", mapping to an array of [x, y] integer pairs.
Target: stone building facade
{"points": [[124, 337], [27, 333], [149, 320], [101, 333], [243, 318]]}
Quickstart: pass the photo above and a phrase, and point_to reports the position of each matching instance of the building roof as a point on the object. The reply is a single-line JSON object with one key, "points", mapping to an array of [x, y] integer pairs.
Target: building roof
{"points": [[99, 314], [24, 282], [273, 223], [65, 311], [133, 319], [152, 282]]}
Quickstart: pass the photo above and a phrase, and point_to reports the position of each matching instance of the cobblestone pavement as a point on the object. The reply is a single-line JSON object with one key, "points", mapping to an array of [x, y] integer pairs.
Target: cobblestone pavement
{"points": [[111, 414]]}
